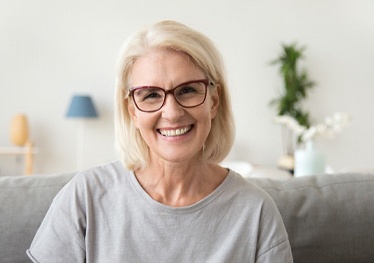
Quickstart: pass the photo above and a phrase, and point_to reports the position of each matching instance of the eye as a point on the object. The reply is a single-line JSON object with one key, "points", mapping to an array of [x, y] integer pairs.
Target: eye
{"points": [[148, 94], [185, 90], [153, 95]]}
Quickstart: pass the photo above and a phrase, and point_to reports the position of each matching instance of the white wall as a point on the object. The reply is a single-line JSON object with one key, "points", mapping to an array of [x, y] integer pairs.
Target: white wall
{"points": [[50, 50]]}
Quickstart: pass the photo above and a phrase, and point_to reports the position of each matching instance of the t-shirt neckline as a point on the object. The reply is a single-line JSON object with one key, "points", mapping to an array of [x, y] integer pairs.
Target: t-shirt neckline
{"points": [[184, 209]]}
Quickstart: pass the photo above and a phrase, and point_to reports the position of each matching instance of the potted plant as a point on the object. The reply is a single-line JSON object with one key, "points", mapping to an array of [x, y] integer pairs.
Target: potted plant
{"points": [[296, 85]]}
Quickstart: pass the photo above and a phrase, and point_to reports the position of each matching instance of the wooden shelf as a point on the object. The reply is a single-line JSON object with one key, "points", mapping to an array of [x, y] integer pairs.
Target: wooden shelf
{"points": [[17, 150], [28, 151]]}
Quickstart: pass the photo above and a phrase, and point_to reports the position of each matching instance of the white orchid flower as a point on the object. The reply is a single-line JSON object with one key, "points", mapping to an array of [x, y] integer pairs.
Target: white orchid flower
{"points": [[332, 125]]}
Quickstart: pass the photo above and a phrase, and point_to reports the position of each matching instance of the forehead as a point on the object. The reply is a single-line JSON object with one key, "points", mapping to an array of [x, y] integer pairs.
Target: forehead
{"points": [[163, 66]]}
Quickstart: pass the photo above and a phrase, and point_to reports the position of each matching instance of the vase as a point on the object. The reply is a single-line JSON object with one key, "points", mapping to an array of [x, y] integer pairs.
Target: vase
{"points": [[19, 130], [309, 161]]}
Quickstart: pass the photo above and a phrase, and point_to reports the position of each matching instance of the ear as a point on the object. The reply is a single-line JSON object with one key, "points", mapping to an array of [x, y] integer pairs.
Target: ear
{"points": [[216, 94], [131, 110]]}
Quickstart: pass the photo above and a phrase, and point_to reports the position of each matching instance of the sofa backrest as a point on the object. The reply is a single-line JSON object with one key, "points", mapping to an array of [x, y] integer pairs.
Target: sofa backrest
{"points": [[329, 218], [24, 201]]}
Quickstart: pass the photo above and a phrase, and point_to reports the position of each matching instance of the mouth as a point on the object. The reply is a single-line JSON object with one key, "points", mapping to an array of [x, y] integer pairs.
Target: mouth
{"points": [[175, 132]]}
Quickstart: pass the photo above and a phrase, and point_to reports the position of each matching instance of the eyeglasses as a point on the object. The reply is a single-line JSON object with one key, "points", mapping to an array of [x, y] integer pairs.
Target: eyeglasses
{"points": [[189, 94]]}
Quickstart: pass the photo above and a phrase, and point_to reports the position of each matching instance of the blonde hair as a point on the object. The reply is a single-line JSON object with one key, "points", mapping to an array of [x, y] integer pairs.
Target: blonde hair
{"points": [[201, 50]]}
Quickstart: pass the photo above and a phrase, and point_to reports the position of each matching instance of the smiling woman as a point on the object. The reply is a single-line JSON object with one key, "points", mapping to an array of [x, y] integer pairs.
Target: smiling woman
{"points": [[168, 200], [172, 113], [197, 50]]}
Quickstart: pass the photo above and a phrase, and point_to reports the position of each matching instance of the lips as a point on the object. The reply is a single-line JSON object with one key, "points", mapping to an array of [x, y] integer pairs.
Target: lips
{"points": [[175, 132]]}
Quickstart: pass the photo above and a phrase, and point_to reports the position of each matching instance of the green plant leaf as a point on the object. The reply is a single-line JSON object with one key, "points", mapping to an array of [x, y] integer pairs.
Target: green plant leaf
{"points": [[296, 84]]}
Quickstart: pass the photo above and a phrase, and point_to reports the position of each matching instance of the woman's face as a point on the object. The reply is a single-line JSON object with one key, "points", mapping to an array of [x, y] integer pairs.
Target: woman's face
{"points": [[173, 133]]}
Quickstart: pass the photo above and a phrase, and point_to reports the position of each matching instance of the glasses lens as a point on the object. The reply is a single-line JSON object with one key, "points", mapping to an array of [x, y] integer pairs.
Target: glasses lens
{"points": [[149, 98], [190, 94]]}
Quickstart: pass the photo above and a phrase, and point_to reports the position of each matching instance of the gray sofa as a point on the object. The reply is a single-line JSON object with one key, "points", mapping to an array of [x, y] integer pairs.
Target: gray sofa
{"points": [[329, 218]]}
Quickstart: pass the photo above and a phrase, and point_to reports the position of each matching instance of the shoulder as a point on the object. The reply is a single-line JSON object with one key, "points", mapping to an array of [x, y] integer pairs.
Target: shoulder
{"points": [[248, 191], [96, 180], [254, 201], [109, 173], [260, 207]]}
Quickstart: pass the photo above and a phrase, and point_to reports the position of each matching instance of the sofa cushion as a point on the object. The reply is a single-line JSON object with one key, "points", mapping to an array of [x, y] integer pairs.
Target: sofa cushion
{"points": [[329, 218], [24, 201]]}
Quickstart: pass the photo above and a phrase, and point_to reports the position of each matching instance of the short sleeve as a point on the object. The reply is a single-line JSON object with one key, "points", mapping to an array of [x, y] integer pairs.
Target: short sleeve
{"points": [[280, 253], [273, 243]]}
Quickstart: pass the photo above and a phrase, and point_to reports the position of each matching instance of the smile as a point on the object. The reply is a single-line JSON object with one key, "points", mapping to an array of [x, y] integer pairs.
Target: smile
{"points": [[176, 132]]}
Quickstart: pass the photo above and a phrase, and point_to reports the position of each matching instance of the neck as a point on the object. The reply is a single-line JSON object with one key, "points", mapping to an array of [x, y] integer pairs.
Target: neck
{"points": [[180, 184]]}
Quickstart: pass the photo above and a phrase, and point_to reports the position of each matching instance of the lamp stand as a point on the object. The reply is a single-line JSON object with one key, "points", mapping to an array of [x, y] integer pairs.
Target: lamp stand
{"points": [[80, 144]]}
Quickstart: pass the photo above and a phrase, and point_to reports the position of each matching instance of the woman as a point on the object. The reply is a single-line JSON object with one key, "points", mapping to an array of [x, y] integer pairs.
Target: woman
{"points": [[168, 200]]}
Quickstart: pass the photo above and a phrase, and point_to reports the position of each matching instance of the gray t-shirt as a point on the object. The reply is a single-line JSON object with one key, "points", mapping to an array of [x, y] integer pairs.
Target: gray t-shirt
{"points": [[104, 215]]}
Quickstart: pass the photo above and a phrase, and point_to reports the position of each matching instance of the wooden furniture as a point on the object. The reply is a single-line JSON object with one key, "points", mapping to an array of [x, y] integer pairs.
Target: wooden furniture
{"points": [[28, 151]]}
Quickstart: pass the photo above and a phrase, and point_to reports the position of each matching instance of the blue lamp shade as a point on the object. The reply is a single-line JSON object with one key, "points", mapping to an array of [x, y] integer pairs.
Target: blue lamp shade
{"points": [[81, 107]]}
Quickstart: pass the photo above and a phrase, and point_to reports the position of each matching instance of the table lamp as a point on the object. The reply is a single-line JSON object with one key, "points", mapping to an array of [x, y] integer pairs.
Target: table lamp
{"points": [[81, 107]]}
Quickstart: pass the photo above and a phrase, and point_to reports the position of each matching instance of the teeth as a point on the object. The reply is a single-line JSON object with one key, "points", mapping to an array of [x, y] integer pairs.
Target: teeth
{"points": [[176, 132]]}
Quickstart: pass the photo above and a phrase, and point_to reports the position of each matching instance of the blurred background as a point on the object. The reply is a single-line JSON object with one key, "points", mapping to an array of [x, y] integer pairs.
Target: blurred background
{"points": [[53, 50]]}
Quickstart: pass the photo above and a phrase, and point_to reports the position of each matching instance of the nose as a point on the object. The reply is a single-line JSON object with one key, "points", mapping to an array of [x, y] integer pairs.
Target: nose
{"points": [[171, 109]]}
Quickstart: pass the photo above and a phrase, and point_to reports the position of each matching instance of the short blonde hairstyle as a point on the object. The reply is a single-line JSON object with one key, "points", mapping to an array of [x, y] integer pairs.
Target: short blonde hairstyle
{"points": [[201, 50]]}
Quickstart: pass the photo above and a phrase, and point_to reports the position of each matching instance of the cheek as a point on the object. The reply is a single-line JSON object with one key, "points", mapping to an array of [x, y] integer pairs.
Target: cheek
{"points": [[206, 117], [144, 121], [138, 121]]}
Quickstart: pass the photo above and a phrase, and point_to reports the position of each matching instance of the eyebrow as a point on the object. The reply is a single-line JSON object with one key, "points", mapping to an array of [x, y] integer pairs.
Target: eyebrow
{"points": [[186, 82]]}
